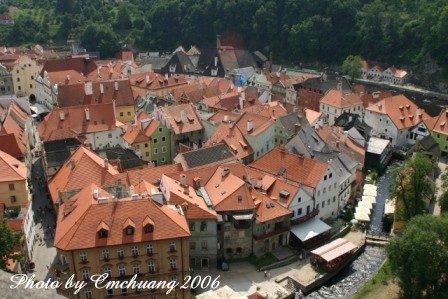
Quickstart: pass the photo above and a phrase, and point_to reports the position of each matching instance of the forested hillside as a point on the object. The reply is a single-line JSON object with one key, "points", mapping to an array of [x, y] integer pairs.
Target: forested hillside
{"points": [[393, 31]]}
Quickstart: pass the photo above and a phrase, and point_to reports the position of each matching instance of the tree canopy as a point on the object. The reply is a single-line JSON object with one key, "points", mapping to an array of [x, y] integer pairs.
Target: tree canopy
{"points": [[352, 66], [413, 186], [419, 258], [9, 240], [395, 32]]}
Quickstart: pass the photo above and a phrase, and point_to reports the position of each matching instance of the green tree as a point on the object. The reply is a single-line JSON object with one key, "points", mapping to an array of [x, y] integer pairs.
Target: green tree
{"points": [[123, 21], [352, 66], [413, 186], [9, 240], [419, 258]]}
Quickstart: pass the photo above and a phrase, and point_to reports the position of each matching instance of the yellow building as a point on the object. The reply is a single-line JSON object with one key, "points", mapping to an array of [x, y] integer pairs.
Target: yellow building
{"points": [[24, 74], [13, 183], [98, 234]]}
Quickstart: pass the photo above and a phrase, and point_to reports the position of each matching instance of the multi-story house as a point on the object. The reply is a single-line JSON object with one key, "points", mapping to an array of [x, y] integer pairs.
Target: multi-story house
{"points": [[394, 118], [99, 234], [375, 73], [184, 124], [150, 83], [288, 125], [13, 182], [259, 131], [315, 177], [6, 82], [438, 126], [187, 191], [336, 102], [24, 73], [149, 139], [117, 91], [271, 228]]}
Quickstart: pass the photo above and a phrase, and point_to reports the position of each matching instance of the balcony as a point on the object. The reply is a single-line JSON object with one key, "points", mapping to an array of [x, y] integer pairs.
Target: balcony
{"points": [[263, 235], [305, 218]]}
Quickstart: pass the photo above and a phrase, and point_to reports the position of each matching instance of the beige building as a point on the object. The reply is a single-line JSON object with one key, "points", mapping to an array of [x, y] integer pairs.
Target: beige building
{"points": [[24, 74], [13, 183], [98, 234]]}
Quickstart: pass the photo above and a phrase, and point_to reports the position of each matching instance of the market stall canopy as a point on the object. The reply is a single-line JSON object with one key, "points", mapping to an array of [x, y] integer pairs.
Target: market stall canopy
{"points": [[368, 198], [370, 187], [362, 210], [362, 217], [334, 249], [365, 204], [389, 207], [309, 229], [369, 192]]}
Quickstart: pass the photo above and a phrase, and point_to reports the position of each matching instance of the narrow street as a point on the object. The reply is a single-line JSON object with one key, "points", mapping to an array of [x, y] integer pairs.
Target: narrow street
{"points": [[434, 207], [44, 220]]}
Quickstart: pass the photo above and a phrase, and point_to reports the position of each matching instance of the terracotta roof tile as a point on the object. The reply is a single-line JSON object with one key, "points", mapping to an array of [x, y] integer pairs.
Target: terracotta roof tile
{"points": [[118, 90], [10, 144], [142, 130], [268, 209], [338, 99], [182, 118], [154, 81], [77, 227], [402, 111], [15, 123], [233, 137], [439, 123], [273, 110], [11, 169], [277, 187], [79, 64], [259, 123], [151, 174], [75, 123], [81, 169], [298, 169]]}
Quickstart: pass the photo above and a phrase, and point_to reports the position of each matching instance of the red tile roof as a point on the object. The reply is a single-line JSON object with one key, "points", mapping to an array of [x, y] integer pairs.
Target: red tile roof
{"points": [[11, 169], [338, 99], [268, 209], [15, 122], [273, 110], [402, 111], [182, 118], [142, 130], [81, 169], [9, 143], [81, 216], [233, 137], [154, 81], [439, 123], [260, 123], [118, 90], [75, 123], [79, 64], [151, 174], [298, 169]]}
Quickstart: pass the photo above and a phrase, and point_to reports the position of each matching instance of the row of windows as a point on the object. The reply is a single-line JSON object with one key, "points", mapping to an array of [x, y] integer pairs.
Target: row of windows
{"points": [[121, 253], [328, 202], [203, 226], [129, 230], [204, 245]]}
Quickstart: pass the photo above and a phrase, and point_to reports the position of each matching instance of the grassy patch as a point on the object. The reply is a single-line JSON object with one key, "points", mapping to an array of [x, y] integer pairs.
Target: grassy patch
{"points": [[263, 260], [382, 278]]}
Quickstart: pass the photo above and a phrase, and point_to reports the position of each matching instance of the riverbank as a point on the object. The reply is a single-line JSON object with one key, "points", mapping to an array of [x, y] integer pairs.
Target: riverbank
{"points": [[381, 286]]}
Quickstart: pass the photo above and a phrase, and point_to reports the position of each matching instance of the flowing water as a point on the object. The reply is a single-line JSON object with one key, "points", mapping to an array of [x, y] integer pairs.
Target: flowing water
{"points": [[354, 276]]}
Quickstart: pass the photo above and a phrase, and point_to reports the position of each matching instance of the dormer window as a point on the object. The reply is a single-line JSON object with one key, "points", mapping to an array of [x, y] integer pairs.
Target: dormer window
{"points": [[149, 228], [102, 234], [129, 227]]}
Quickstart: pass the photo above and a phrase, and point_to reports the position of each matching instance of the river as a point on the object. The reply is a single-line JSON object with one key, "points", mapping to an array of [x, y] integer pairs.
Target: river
{"points": [[354, 276]]}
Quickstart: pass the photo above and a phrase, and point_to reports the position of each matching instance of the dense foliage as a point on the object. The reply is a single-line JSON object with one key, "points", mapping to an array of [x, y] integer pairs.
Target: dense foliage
{"points": [[419, 258], [394, 31], [9, 241], [414, 186]]}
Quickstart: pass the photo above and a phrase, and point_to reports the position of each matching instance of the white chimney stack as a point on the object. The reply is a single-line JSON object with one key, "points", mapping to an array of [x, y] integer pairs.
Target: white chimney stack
{"points": [[216, 61], [61, 115], [226, 118], [87, 111], [116, 85], [101, 88], [106, 163], [183, 117], [88, 88], [147, 79], [250, 125], [183, 180], [68, 77]]}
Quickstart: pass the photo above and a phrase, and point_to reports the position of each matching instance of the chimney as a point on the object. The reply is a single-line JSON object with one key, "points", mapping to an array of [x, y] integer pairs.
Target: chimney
{"points": [[226, 118], [101, 88], [216, 61], [147, 79], [88, 90], [218, 42], [339, 86], [183, 180], [269, 97], [183, 118], [241, 99], [166, 76], [250, 126], [68, 77], [337, 143], [87, 111], [116, 85], [106, 163], [61, 115]]}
